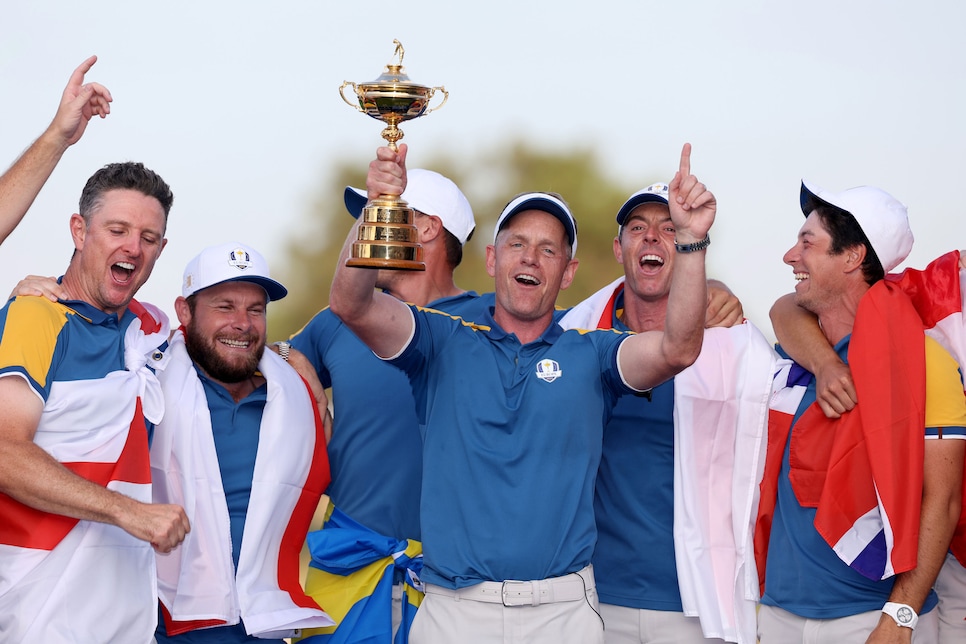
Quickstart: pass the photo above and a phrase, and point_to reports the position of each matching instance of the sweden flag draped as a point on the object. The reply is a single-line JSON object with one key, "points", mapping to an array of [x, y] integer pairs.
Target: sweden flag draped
{"points": [[351, 574]]}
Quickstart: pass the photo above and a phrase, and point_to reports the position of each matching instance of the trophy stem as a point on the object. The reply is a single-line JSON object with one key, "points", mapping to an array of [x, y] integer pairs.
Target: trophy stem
{"points": [[392, 134]]}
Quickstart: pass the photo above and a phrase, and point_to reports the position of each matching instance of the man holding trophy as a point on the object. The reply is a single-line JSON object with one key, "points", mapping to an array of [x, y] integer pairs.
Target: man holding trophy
{"points": [[501, 440]]}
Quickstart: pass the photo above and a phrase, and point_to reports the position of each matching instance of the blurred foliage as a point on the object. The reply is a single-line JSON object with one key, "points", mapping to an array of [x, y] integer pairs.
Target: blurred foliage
{"points": [[489, 180]]}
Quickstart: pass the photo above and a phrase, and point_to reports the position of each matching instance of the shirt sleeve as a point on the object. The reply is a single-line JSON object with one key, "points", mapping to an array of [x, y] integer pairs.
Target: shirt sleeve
{"points": [[30, 328], [945, 401]]}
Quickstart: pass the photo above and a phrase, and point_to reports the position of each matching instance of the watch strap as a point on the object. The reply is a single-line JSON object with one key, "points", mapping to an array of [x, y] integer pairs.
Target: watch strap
{"points": [[902, 614], [696, 246], [283, 349]]}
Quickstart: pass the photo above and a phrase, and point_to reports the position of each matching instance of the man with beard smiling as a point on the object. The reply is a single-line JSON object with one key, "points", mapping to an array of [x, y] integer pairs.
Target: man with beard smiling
{"points": [[513, 408], [241, 448]]}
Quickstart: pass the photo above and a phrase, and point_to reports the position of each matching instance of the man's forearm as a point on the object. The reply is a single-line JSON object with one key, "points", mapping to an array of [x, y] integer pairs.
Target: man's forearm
{"points": [[35, 479], [687, 304], [800, 335], [352, 289], [22, 182], [379, 320]]}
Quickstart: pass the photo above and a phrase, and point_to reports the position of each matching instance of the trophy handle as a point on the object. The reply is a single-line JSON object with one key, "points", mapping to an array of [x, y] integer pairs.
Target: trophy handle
{"points": [[355, 105], [445, 98]]}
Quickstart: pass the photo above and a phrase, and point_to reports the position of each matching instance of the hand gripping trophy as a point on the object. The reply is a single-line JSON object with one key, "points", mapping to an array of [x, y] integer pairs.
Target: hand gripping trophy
{"points": [[387, 236]]}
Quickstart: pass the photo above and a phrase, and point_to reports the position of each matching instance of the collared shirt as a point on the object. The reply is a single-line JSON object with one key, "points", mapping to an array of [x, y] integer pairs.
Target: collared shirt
{"points": [[634, 561], [70, 340], [512, 445]]}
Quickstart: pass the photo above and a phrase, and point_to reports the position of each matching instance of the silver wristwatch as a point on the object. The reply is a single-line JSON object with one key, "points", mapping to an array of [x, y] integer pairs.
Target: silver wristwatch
{"points": [[691, 248], [283, 349]]}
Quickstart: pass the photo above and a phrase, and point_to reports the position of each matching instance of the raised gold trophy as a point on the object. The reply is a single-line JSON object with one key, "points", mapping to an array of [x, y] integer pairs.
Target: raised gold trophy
{"points": [[387, 236]]}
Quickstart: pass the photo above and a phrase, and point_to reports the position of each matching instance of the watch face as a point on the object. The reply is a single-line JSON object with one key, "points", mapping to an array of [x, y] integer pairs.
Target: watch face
{"points": [[904, 615]]}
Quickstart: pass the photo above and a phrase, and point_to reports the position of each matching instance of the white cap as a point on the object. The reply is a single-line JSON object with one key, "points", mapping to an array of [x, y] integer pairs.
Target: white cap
{"points": [[883, 219], [231, 262], [548, 204], [431, 194]]}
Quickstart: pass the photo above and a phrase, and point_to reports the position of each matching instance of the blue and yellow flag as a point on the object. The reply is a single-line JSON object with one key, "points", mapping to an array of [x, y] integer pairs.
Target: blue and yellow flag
{"points": [[351, 574]]}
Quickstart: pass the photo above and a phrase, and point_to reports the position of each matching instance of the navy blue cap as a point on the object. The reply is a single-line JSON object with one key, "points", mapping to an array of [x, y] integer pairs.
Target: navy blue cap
{"points": [[654, 193], [546, 203]]}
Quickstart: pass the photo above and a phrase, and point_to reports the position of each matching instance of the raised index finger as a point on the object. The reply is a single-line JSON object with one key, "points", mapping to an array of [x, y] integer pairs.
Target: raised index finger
{"points": [[77, 77], [685, 167]]}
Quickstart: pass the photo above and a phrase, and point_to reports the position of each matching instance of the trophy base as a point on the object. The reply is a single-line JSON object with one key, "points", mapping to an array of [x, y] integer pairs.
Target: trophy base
{"points": [[387, 237], [398, 256]]}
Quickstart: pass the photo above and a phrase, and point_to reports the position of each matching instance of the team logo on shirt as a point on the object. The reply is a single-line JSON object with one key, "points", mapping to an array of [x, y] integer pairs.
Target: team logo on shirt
{"points": [[548, 370]]}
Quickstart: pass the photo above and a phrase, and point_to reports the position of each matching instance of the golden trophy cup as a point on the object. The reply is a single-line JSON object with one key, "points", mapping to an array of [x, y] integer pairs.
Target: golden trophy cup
{"points": [[387, 236]]}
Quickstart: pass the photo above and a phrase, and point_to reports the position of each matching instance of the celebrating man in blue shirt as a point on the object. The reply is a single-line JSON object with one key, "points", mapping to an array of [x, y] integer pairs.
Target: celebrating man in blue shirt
{"points": [[509, 464]]}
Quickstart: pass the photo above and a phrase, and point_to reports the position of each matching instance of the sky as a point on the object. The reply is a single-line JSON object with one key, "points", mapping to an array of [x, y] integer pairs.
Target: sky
{"points": [[235, 104]]}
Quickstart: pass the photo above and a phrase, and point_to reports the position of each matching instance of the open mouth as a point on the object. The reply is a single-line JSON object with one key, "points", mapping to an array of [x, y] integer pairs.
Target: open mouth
{"points": [[801, 277], [651, 262], [527, 280], [122, 272]]}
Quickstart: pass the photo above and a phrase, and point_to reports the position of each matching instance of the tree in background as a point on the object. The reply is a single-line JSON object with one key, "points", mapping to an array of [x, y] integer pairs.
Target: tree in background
{"points": [[489, 181]]}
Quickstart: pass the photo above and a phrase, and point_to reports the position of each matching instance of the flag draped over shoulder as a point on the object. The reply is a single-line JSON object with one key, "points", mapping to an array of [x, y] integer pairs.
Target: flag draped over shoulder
{"points": [[597, 311], [720, 413], [937, 293], [197, 582], [96, 429], [352, 574], [868, 509]]}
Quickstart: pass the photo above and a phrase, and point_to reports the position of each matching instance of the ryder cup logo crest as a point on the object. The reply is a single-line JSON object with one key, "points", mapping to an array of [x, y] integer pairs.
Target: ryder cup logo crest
{"points": [[548, 370], [240, 259]]}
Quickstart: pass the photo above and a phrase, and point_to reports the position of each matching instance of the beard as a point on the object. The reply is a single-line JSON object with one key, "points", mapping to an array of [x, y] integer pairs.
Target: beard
{"points": [[204, 352]]}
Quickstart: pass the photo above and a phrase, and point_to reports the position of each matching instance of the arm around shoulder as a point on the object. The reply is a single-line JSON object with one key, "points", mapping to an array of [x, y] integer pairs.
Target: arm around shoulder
{"points": [[801, 337]]}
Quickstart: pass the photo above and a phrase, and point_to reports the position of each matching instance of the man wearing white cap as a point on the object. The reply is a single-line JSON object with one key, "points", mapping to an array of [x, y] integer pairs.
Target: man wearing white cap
{"points": [[241, 448], [513, 408], [376, 448], [659, 461], [857, 510]]}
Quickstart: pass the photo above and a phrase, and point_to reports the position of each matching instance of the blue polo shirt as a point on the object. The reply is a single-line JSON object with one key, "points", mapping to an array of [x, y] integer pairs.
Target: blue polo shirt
{"points": [[375, 454], [512, 445], [634, 561]]}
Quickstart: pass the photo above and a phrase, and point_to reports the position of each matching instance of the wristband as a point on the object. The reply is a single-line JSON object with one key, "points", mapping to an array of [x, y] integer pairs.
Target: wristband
{"points": [[696, 246], [902, 613]]}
